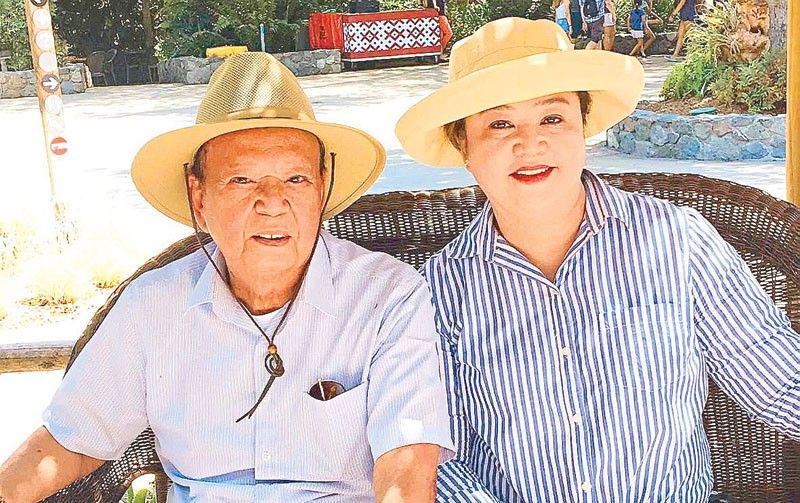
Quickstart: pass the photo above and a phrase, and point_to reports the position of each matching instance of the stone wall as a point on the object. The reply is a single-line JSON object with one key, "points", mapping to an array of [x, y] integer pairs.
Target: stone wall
{"points": [[732, 137], [23, 84], [192, 70]]}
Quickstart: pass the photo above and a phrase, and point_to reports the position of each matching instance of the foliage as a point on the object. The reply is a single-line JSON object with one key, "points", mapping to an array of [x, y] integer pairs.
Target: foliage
{"points": [[761, 85], [399, 4], [189, 27], [88, 25], [466, 16], [14, 33], [707, 71]]}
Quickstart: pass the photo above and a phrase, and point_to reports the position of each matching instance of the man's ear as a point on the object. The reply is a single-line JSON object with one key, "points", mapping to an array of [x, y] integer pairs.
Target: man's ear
{"points": [[196, 197]]}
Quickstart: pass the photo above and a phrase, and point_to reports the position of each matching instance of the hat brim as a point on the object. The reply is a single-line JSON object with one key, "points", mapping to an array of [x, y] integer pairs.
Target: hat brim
{"points": [[614, 81], [158, 168]]}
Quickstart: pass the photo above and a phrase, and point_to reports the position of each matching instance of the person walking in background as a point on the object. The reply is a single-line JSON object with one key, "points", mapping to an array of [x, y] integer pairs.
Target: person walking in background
{"points": [[609, 25], [562, 15], [592, 12], [651, 19], [688, 14], [636, 23]]}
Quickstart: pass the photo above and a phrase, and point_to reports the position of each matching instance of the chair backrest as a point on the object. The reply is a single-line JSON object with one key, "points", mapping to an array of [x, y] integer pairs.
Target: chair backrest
{"points": [[95, 61], [749, 460], [110, 55]]}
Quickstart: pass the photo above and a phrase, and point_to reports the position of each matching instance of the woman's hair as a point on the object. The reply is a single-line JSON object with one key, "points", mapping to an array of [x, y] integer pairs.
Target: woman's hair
{"points": [[556, 3], [457, 134]]}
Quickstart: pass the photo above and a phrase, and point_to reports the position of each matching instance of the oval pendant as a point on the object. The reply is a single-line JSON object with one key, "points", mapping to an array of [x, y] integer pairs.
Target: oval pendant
{"points": [[274, 364]]}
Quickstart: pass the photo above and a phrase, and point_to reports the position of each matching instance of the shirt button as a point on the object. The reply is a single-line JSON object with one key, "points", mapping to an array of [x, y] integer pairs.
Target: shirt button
{"points": [[576, 419], [266, 456], [586, 486], [565, 352]]}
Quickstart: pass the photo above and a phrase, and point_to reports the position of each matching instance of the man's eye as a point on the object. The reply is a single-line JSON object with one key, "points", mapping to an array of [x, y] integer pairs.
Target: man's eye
{"points": [[240, 180], [552, 119], [501, 125], [297, 179]]}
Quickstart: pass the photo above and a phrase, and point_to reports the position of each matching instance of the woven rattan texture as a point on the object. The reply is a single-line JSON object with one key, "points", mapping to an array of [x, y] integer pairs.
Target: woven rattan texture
{"points": [[751, 462]]}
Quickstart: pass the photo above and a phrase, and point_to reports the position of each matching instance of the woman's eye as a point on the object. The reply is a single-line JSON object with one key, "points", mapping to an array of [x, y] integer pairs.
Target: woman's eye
{"points": [[551, 119], [240, 180], [297, 179], [500, 125]]}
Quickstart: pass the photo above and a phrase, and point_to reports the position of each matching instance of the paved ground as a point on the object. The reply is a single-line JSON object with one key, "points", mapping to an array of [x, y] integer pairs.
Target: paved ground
{"points": [[106, 126]]}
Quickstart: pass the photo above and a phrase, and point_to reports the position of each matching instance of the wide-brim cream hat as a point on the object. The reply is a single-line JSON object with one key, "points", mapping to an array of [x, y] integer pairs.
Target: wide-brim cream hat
{"points": [[512, 60], [253, 90]]}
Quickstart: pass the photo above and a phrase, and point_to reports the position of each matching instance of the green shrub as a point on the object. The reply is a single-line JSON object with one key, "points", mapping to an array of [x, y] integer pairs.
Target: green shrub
{"points": [[399, 4], [760, 85], [711, 71], [14, 33], [280, 36]]}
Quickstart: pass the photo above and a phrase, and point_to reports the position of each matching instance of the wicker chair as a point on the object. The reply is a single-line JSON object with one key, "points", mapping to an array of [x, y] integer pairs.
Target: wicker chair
{"points": [[751, 462]]}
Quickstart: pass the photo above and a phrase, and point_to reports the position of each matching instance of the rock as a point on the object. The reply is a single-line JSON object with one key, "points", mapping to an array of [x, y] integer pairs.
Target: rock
{"points": [[658, 135], [68, 87], [683, 127], [739, 120], [629, 124], [778, 125], [688, 147], [756, 131], [755, 150], [612, 141], [778, 150], [719, 149], [702, 129], [722, 126], [627, 142], [643, 149], [668, 151]]}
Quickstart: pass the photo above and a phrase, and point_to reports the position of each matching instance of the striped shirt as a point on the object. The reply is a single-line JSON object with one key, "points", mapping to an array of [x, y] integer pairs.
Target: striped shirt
{"points": [[592, 387], [178, 354]]}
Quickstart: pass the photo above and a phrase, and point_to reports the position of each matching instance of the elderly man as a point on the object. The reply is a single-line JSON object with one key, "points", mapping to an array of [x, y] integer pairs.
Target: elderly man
{"points": [[350, 406]]}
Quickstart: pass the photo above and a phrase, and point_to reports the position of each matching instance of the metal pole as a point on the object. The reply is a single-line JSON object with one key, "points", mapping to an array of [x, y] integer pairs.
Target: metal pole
{"points": [[48, 89], [262, 31], [793, 103]]}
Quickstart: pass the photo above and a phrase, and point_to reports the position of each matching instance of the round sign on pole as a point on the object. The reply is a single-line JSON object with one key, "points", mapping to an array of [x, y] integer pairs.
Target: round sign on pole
{"points": [[50, 82], [58, 145], [48, 61], [41, 19], [39, 3], [55, 123], [45, 41], [53, 104]]}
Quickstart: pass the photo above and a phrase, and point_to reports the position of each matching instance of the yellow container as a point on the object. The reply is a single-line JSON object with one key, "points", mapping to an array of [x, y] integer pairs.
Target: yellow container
{"points": [[225, 51]]}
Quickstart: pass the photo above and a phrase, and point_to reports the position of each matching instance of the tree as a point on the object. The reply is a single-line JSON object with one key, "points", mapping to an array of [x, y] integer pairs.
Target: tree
{"points": [[777, 21]]}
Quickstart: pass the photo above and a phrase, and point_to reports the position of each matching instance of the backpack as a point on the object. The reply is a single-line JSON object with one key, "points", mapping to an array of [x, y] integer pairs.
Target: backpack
{"points": [[590, 8]]}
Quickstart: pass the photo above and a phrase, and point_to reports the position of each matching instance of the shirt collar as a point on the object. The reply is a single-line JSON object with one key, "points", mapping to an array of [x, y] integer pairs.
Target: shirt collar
{"points": [[316, 290], [602, 202]]}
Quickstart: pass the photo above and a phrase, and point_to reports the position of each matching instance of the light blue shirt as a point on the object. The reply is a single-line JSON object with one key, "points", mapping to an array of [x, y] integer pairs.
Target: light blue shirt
{"points": [[592, 387], [178, 354]]}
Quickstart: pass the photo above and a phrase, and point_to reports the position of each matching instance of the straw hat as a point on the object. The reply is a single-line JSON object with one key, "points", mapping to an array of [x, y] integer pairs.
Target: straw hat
{"points": [[253, 90], [512, 60]]}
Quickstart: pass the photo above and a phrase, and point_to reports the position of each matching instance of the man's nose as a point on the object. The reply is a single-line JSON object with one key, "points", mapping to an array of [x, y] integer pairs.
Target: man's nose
{"points": [[270, 197]]}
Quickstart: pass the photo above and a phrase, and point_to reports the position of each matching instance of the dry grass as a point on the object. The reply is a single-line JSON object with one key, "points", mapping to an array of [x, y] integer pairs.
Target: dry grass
{"points": [[57, 279]]}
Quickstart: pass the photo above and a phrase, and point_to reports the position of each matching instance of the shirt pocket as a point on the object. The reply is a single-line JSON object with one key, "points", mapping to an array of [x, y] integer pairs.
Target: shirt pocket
{"points": [[643, 347], [337, 433]]}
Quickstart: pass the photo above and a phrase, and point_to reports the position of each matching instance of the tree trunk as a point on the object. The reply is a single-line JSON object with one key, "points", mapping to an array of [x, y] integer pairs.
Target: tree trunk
{"points": [[777, 22], [147, 24]]}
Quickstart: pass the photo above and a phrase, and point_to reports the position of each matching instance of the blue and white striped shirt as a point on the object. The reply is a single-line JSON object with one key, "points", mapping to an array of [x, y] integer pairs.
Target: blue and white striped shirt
{"points": [[178, 354], [592, 388]]}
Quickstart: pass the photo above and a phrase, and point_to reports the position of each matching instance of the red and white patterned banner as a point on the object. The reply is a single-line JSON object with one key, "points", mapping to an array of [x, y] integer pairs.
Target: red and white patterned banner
{"points": [[391, 34]]}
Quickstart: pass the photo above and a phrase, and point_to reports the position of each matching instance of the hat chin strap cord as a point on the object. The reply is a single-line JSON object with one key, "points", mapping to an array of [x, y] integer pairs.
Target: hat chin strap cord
{"points": [[273, 361]]}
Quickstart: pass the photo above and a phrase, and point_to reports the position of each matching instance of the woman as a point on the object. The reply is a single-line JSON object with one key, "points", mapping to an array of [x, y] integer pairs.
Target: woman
{"points": [[609, 25], [578, 321], [562, 15], [688, 14]]}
